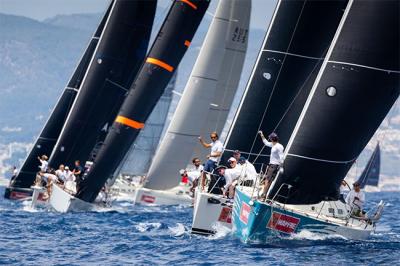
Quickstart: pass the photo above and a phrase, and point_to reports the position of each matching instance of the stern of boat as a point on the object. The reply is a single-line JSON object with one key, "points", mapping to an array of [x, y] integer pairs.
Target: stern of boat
{"points": [[208, 210]]}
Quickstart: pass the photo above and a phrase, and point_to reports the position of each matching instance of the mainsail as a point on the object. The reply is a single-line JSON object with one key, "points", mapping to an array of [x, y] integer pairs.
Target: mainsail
{"points": [[143, 149], [294, 47], [166, 53], [114, 65], [354, 90], [208, 94], [370, 175], [44, 144]]}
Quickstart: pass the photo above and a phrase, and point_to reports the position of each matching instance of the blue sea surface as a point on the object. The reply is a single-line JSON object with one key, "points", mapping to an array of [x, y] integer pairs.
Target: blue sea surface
{"points": [[142, 235]]}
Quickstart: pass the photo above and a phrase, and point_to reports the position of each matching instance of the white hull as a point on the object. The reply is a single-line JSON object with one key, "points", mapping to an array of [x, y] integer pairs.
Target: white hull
{"points": [[62, 201], [207, 213], [178, 195], [37, 197]]}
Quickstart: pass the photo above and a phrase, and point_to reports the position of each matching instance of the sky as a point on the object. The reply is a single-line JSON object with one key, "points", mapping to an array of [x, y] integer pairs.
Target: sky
{"points": [[42, 9]]}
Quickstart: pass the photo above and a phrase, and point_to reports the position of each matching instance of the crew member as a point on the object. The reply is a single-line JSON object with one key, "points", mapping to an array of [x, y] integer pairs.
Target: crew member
{"points": [[44, 164], [216, 151], [275, 160], [355, 199]]}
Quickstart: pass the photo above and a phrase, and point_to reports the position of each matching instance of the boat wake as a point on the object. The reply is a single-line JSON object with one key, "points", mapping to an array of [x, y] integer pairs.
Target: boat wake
{"points": [[221, 231], [308, 235], [178, 230], [147, 227]]}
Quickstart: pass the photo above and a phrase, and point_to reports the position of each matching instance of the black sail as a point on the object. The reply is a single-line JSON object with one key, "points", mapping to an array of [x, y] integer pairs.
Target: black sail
{"points": [[44, 144], [116, 61], [370, 175], [296, 42], [166, 53], [353, 93]]}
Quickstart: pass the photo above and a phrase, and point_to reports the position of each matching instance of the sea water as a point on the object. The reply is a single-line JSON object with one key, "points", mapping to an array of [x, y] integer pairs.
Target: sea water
{"points": [[141, 235]]}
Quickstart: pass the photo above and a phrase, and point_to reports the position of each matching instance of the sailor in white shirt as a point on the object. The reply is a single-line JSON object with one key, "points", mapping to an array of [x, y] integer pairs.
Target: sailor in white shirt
{"points": [[231, 175], [248, 171], [275, 159], [216, 151], [195, 172], [355, 199], [70, 183], [43, 163], [61, 173]]}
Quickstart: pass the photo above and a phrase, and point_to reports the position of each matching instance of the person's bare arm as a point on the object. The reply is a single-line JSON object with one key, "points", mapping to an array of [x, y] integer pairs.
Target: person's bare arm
{"points": [[205, 145]]}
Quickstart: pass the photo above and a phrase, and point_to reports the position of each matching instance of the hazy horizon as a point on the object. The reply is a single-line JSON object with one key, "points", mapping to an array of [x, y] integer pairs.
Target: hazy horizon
{"points": [[34, 9]]}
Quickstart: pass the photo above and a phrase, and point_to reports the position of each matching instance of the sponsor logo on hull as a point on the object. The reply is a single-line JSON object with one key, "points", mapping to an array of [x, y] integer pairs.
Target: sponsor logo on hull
{"points": [[245, 212], [148, 199], [282, 222], [225, 215], [19, 195]]}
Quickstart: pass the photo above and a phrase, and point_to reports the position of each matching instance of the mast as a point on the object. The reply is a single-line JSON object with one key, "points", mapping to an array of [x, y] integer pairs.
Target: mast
{"points": [[344, 108], [294, 47], [113, 67], [166, 53], [370, 175], [48, 136], [208, 95]]}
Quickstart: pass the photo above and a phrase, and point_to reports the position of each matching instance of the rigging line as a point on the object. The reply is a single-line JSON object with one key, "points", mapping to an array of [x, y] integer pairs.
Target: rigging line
{"points": [[277, 77]]}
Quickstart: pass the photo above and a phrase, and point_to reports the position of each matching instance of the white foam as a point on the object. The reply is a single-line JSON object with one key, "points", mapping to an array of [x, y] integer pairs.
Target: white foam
{"points": [[178, 230], [221, 231], [143, 227], [308, 235]]}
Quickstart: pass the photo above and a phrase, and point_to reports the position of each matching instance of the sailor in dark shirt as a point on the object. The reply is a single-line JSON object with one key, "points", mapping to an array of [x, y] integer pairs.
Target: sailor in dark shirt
{"points": [[78, 172], [217, 181]]}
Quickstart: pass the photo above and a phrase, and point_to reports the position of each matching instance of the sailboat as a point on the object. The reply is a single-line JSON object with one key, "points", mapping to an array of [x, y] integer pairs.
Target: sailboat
{"points": [[122, 42], [277, 89], [20, 187], [204, 105], [156, 71], [340, 115], [370, 175]]}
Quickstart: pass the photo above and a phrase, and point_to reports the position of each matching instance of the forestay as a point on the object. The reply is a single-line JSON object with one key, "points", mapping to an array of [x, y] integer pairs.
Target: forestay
{"points": [[208, 94], [294, 47], [355, 89]]}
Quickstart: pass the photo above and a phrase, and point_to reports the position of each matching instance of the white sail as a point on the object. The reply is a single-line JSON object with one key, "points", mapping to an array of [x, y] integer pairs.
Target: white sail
{"points": [[208, 94]]}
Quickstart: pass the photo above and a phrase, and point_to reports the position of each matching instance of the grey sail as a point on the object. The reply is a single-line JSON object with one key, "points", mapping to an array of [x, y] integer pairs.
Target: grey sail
{"points": [[142, 151], [208, 94]]}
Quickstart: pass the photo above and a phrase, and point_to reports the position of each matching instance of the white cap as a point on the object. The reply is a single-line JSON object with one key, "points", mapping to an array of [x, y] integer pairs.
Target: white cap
{"points": [[231, 159], [66, 167]]}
